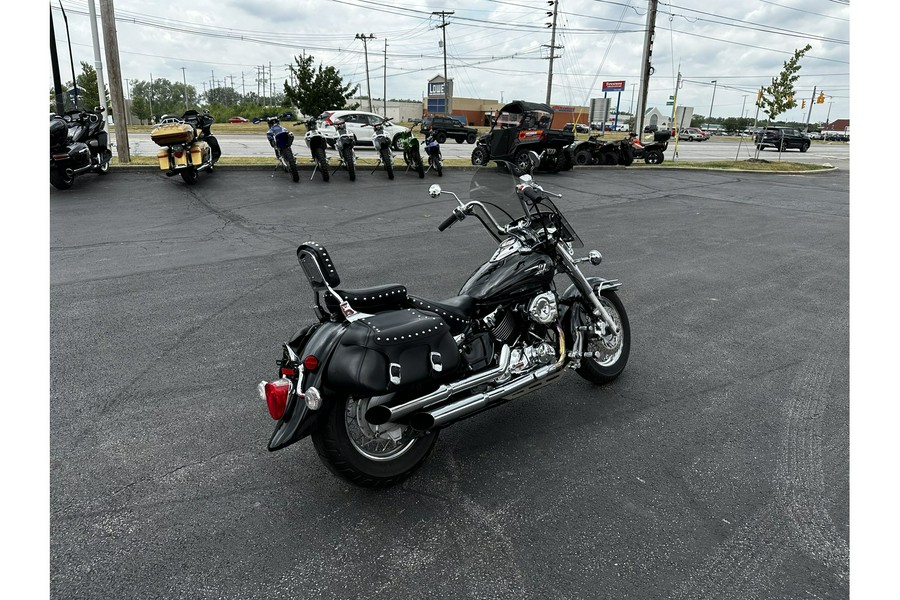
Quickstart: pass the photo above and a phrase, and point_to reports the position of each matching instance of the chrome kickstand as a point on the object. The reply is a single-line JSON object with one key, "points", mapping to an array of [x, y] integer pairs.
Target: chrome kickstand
{"points": [[315, 168], [378, 164]]}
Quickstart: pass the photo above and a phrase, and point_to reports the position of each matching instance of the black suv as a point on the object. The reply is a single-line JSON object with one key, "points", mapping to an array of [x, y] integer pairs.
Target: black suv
{"points": [[445, 127], [783, 138]]}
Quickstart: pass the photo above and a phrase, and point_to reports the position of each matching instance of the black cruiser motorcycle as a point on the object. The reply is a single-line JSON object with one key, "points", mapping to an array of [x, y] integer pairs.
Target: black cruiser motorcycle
{"points": [[383, 371], [79, 143]]}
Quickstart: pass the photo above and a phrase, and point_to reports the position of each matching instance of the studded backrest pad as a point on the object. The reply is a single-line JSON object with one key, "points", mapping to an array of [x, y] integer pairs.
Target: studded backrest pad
{"points": [[323, 259]]}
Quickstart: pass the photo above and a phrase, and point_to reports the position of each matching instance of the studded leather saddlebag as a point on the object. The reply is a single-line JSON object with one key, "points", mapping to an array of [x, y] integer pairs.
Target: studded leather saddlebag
{"points": [[390, 351]]}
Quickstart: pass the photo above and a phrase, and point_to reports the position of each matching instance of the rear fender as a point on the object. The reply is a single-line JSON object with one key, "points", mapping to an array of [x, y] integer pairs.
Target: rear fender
{"points": [[298, 420]]}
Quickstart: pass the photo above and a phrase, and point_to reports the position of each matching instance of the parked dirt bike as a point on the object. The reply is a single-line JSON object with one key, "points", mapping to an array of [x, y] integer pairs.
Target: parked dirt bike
{"points": [[382, 144], [316, 143], [344, 146], [79, 143], [281, 139], [382, 371], [652, 153], [409, 144], [188, 146], [595, 151], [433, 151]]}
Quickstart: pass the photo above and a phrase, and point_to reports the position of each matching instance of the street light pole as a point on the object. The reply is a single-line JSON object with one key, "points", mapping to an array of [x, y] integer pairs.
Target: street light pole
{"points": [[711, 104]]}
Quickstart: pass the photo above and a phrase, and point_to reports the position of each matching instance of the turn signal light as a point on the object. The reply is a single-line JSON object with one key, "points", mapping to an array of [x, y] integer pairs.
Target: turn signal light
{"points": [[276, 394]]}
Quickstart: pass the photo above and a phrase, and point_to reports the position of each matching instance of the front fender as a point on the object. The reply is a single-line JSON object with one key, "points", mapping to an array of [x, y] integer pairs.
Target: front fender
{"points": [[298, 420], [567, 298]]}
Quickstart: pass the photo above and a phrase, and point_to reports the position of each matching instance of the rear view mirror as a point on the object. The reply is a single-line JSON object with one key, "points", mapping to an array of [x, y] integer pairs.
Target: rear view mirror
{"points": [[434, 191]]}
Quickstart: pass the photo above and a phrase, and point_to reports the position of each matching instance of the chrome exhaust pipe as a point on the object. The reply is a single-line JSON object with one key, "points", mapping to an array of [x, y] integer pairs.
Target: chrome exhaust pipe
{"points": [[379, 415], [423, 421]]}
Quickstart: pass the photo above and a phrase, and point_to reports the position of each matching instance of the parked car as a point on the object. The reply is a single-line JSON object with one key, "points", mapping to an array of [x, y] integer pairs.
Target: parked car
{"points": [[238, 120], [448, 127], [355, 120], [693, 134], [579, 127], [783, 138]]}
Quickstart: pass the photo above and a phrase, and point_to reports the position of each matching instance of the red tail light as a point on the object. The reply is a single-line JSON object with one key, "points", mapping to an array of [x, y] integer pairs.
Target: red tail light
{"points": [[179, 154], [276, 393], [310, 363], [328, 121]]}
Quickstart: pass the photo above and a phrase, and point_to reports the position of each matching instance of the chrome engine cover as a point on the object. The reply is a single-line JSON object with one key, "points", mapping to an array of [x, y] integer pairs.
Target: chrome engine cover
{"points": [[543, 308]]}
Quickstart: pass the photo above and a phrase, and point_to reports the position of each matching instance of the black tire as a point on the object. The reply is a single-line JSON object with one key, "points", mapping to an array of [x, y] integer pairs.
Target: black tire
{"points": [[759, 147], [608, 158], [322, 162], [190, 176], [330, 143], [653, 157], [388, 165], [417, 161], [60, 180], [341, 450], [804, 147], [348, 162], [470, 139], [288, 155], [436, 163], [103, 167], [568, 160], [460, 140], [626, 157], [441, 137], [616, 349], [521, 163], [480, 156], [583, 157]]}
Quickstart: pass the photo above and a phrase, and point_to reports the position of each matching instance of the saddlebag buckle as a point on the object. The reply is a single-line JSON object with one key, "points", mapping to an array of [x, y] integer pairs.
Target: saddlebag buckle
{"points": [[394, 373], [436, 364]]}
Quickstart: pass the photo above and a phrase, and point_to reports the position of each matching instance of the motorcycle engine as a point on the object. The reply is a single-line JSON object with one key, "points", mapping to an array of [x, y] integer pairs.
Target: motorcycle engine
{"points": [[543, 308]]}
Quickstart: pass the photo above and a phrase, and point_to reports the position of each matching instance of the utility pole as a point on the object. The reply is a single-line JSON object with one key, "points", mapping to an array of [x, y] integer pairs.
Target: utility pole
{"points": [[555, 4], [129, 99], [646, 68], [363, 37], [120, 110], [98, 63], [384, 92], [675, 112], [57, 78], [184, 80], [444, 14], [828, 116], [809, 114], [243, 87], [271, 84], [631, 106], [711, 103]]}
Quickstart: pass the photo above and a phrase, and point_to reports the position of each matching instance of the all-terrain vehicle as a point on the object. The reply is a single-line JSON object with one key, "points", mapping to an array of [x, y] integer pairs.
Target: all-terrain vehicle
{"points": [[595, 151], [521, 127]]}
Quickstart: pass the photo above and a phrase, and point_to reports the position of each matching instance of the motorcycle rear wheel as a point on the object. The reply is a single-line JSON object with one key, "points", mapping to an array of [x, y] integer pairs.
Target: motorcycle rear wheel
{"points": [[351, 166], [388, 164], [352, 449], [190, 176], [614, 349], [322, 161], [60, 180], [420, 168], [288, 155]]}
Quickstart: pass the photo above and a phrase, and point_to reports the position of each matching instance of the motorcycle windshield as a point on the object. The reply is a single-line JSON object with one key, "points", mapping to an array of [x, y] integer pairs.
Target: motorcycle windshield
{"points": [[496, 190]]}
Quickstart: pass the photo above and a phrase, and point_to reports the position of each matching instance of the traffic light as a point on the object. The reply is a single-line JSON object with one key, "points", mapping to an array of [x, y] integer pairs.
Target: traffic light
{"points": [[821, 98], [803, 104]]}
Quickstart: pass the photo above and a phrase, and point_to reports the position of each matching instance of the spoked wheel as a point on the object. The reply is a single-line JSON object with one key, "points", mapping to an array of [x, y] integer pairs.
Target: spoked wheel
{"points": [[388, 165], [322, 161], [288, 155], [372, 456], [610, 349]]}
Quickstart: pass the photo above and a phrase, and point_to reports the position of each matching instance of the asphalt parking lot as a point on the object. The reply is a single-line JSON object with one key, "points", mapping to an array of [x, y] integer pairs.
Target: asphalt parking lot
{"points": [[715, 467]]}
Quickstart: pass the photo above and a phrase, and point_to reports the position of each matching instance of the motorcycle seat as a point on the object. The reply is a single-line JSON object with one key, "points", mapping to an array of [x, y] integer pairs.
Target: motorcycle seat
{"points": [[456, 311], [372, 300]]}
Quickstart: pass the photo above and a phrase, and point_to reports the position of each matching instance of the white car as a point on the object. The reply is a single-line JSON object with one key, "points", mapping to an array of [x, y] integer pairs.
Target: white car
{"points": [[355, 120]]}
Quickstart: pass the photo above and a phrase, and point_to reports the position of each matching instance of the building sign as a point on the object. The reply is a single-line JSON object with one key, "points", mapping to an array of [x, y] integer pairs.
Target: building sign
{"points": [[436, 89], [613, 86], [562, 108]]}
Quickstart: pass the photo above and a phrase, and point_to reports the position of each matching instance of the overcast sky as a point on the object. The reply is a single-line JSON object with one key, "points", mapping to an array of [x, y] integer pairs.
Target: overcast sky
{"points": [[496, 48]]}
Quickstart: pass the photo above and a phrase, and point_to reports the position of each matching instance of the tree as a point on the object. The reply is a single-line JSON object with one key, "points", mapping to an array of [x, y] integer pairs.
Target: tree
{"points": [[779, 97], [317, 90], [225, 96]]}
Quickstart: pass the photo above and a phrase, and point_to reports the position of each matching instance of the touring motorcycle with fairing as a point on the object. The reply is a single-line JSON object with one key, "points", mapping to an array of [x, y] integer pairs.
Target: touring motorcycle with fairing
{"points": [[382, 371]]}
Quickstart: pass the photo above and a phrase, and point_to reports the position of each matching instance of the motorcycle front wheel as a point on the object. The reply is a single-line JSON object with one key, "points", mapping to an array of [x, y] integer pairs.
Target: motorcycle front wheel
{"points": [[190, 176], [420, 168], [611, 350], [370, 456], [351, 166], [323, 164]]}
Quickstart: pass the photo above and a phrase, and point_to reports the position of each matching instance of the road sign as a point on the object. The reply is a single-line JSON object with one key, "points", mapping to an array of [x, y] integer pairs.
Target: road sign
{"points": [[670, 103], [613, 86]]}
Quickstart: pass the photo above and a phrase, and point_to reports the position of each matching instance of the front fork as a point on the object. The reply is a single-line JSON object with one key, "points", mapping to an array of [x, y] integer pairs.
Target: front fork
{"points": [[584, 286]]}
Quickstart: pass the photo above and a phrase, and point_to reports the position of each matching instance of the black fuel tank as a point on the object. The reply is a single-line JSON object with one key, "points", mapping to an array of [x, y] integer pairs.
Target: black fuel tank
{"points": [[513, 277]]}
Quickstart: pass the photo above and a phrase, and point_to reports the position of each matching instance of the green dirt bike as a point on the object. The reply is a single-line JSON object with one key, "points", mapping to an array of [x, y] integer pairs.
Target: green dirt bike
{"points": [[409, 144]]}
